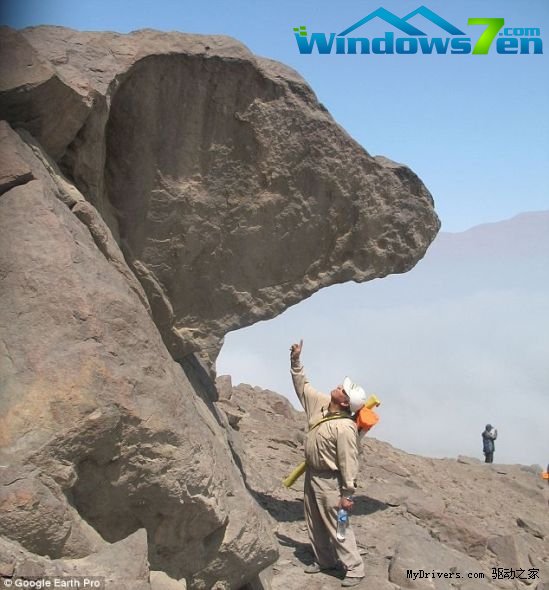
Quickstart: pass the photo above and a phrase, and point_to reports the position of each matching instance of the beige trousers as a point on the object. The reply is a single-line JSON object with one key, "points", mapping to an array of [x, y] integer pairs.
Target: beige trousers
{"points": [[321, 506]]}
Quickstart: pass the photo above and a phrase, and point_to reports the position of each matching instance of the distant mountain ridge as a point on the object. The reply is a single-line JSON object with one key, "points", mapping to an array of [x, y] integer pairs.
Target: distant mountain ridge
{"points": [[523, 231], [505, 255], [509, 254]]}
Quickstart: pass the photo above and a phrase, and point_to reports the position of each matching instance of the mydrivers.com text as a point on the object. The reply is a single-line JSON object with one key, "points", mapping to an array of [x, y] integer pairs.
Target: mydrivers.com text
{"points": [[497, 573]]}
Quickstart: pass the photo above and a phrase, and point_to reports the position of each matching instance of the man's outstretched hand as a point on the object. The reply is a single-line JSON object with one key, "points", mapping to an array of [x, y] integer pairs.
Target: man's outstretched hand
{"points": [[295, 352]]}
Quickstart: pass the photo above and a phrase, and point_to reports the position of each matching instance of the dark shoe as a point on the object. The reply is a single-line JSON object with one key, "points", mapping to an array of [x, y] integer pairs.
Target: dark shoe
{"points": [[314, 568], [349, 582]]}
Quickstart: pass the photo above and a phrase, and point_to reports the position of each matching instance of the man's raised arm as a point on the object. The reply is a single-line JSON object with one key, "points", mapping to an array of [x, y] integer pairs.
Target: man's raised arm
{"points": [[298, 375], [309, 397]]}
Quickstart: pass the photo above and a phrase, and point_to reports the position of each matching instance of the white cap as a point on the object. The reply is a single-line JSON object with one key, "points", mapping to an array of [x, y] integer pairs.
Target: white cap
{"points": [[357, 395]]}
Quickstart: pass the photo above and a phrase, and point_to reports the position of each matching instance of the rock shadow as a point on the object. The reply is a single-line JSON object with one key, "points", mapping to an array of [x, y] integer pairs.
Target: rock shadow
{"points": [[292, 510], [302, 551], [364, 505], [280, 510]]}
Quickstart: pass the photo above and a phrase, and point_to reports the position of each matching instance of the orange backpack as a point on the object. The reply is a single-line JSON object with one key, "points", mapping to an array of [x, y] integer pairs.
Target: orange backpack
{"points": [[366, 419]]}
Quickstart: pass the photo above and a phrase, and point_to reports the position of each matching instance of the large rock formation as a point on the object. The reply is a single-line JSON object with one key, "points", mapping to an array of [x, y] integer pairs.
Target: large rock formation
{"points": [[448, 516], [158, 190], [99, 425], [208, 162]]}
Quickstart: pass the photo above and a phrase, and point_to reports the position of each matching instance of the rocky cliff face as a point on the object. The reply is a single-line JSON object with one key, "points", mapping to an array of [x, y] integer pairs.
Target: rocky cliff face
{"points": [[208, 162], [158, 190], [411, 513]]}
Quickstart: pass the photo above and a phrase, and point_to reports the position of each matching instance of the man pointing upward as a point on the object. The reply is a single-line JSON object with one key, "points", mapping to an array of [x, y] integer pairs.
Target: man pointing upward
{"points": [[331, 453]]}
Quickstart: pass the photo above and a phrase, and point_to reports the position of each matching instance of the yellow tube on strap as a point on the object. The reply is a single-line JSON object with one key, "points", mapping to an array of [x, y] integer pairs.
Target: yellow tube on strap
{"points": [[295, 474], [372, 402]]}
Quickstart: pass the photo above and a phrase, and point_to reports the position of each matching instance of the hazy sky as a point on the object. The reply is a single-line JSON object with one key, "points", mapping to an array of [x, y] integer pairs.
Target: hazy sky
{"points": [[475, 128]]}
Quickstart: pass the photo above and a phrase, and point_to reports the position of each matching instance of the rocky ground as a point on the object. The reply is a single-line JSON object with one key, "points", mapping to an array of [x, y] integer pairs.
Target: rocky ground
{"points": [[448, 515]]}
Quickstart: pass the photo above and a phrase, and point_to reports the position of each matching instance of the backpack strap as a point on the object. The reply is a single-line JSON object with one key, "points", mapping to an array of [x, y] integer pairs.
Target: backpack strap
{"points": [[328, 418]]}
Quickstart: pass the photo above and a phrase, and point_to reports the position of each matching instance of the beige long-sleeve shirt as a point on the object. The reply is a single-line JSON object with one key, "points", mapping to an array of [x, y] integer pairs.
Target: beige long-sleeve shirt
{"points": [[332, 446]]}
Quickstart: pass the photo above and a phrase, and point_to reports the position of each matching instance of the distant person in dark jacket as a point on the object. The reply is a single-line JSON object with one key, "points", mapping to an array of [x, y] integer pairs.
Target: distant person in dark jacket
{"points": [[488, 437]]}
